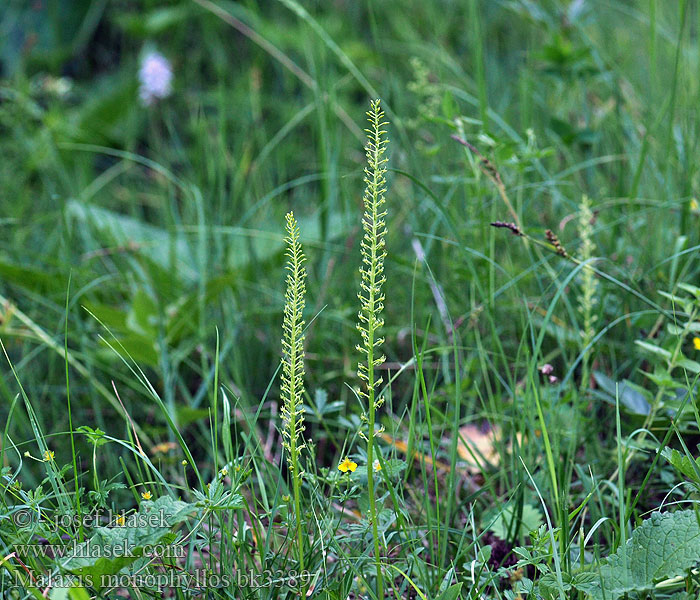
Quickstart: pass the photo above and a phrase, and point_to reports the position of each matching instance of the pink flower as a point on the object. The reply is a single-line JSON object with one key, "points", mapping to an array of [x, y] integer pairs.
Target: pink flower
{"points": [[155, 77], [546, 369]]}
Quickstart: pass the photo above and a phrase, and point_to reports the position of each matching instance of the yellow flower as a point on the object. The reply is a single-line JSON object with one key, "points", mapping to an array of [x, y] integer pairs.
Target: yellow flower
{"points": [[694, 204], [377, 466], [347, 465], [146, 495], [121, 520], [48, 455], [223, 472], [696, 343]]}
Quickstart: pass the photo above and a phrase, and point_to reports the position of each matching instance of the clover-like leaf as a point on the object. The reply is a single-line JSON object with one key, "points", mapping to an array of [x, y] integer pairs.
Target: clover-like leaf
{"points": [[96, 436]]}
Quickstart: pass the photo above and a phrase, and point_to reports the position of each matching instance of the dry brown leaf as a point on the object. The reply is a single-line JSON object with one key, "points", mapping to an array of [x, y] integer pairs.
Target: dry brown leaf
{"points": [[479, 444]]}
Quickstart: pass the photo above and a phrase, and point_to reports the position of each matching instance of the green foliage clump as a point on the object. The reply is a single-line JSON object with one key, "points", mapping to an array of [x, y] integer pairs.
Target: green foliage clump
{"points": [[524, 391]]}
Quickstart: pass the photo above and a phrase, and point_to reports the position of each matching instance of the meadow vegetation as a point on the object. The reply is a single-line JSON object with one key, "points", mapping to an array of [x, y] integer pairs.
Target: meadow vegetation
{"points": [[350, 299]]}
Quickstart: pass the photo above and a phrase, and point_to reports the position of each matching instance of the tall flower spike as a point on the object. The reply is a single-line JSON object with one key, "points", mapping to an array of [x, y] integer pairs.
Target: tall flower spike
{"points": [[293, 368], [293, 343], [372, 248], [588, 298], [373, 252]]}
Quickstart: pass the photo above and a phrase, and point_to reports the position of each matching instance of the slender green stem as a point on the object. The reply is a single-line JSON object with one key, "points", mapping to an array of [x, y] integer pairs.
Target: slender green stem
{"points": [[370, 464], [70, 414]]}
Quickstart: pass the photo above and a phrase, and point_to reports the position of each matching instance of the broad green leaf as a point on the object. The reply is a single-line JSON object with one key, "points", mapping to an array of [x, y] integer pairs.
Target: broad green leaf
{"points": [[173, 251], [654, 349], [37, 280], [666, 545], [685, 303], [631, 396], [586, 582], [689, 365], [661, 378], [110, 549], [66, 593], [557, 331], [143, 316], [59, 593], [530, 520], [674, 329], [451, 593], [691, 289], [187, 414], [141, 348], [156, 21], [151, 241], [78, 593]]}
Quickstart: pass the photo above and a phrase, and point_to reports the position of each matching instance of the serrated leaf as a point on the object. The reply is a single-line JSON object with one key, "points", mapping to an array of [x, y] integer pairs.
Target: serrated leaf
{"points": [[549, 587], [585, 581], [666, 545], [96, 436], [683, 464]]}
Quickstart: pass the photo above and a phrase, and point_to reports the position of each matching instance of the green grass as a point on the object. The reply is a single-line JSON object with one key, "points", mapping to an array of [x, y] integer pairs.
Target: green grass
{"points": [[142, 291]]}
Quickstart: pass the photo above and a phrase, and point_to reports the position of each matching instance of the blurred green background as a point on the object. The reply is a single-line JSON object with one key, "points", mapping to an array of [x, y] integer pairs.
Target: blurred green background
{"points": [[168, 218]]}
